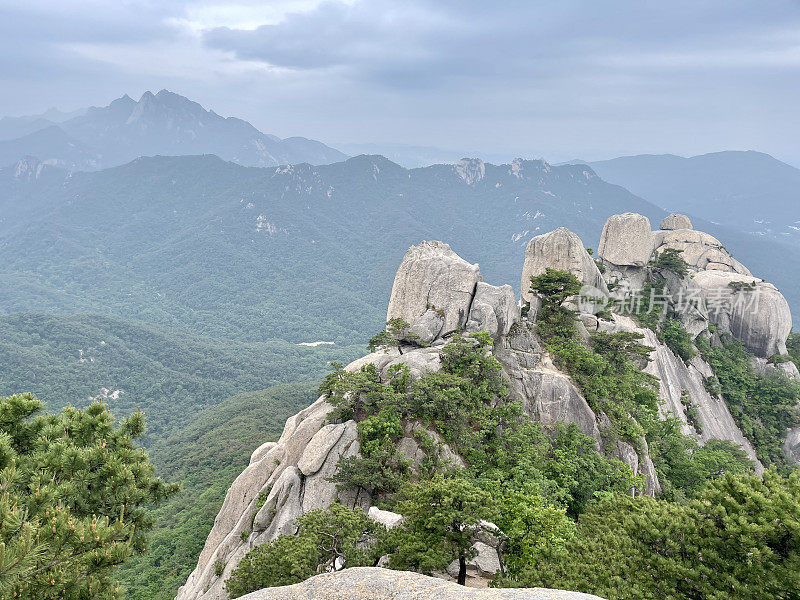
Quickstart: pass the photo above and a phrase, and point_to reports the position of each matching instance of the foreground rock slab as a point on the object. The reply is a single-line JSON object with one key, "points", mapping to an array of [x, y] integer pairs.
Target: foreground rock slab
{"points": [[373, 583]]}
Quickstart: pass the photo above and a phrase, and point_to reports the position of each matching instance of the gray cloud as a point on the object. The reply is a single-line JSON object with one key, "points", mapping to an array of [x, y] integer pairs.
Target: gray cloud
{"points": [[559, 78], [400, 43]]}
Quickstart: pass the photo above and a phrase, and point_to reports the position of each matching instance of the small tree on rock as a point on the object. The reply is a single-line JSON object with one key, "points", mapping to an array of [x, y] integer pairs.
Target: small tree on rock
{"points": [[397, 331], [441, 517]]}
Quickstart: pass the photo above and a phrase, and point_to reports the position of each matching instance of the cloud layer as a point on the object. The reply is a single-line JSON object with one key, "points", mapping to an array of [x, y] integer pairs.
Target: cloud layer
{"points": [[559, 78]]}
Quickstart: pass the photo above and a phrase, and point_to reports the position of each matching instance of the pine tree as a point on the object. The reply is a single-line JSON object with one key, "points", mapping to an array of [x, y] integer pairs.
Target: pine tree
{"points": [[75, 493]]}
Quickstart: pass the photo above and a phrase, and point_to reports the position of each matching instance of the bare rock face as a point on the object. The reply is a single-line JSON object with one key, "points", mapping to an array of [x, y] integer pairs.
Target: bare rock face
{"points": [[387, 518], [680, 382], [545, 393], [494, 309], [375, 583], [700, 250], [261, 451], [676, 221], [626, 240], [433, 278], [276, 476], [791, 445], [756, 313], [686, 293], [563, 250]]}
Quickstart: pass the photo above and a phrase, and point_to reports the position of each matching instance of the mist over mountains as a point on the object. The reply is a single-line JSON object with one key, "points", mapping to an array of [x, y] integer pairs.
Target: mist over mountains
{"points": [[158, 124]]}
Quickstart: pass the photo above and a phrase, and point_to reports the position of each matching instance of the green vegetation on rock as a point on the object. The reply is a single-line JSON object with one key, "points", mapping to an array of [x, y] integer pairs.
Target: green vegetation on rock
{"points": [[764, 406], [325, 540]]}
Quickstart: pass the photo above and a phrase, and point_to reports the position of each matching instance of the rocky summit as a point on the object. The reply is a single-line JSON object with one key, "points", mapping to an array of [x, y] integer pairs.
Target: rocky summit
{"points": [[436, 292], [365, 583]]}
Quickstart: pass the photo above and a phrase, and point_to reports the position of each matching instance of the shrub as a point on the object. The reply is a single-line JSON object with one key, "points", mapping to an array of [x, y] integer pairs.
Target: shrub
{"points": [[740, 538], [325, 541], [671, 260]]}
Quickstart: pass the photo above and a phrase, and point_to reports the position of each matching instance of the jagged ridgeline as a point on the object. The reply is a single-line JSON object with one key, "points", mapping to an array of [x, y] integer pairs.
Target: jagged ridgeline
{"points": [[648, 370]]}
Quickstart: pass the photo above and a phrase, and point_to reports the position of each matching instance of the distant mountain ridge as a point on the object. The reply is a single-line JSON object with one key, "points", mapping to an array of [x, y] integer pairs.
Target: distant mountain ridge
{"points": [[750, 191], [158, 124], [298, 252], [15, 127]]}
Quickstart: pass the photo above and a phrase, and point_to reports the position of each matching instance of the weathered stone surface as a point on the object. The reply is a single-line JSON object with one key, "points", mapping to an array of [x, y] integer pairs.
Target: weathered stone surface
{"points": [[545, 393], [563, 250], [626, 240], [686, 293], [485, 563], [319, 491], [319, 447], [676, 378], [428, 326], [760, 317], [700, 250], [375, 583], [380, 359], [791, 446], [419, 362], [494, 309], [676, 221], [228, 524], [261, 451], [555, 399], [224, 543], [386, 518], [283, 505], [432, 276]]}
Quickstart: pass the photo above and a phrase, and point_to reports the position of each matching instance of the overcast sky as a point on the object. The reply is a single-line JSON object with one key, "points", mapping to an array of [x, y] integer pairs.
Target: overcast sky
{"points": [[559, 79]]}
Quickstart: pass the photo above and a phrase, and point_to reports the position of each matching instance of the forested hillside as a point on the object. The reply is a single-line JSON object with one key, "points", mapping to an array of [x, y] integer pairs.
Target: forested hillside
{"points": [[299, 253], [169, 374]]}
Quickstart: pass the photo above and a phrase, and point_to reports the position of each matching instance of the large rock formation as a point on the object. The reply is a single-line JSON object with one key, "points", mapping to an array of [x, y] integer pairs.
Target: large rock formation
{"points": [[369, 583], [438, 292], [676, 221], [626, 240], [700, 250], [433, 290], [494, 309], [750, 309], [563, 250]]}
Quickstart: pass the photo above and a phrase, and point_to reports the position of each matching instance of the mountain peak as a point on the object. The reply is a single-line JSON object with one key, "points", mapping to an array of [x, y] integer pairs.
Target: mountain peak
{"points": [[164, 123]]}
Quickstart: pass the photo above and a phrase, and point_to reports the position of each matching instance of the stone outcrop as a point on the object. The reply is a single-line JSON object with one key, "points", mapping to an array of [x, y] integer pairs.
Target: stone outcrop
{"points": [[433, 279], [680, 382], [494, 309], [751, 310], [675, 221], [626, 240], [374, 583], [437, 292], [563, 250], [700, 250]]}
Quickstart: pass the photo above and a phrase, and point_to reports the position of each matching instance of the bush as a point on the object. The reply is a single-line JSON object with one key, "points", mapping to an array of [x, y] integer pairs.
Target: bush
{"points": [[763, 406], [677, 339], [740, 538], [671, 260], [325, 541]]}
